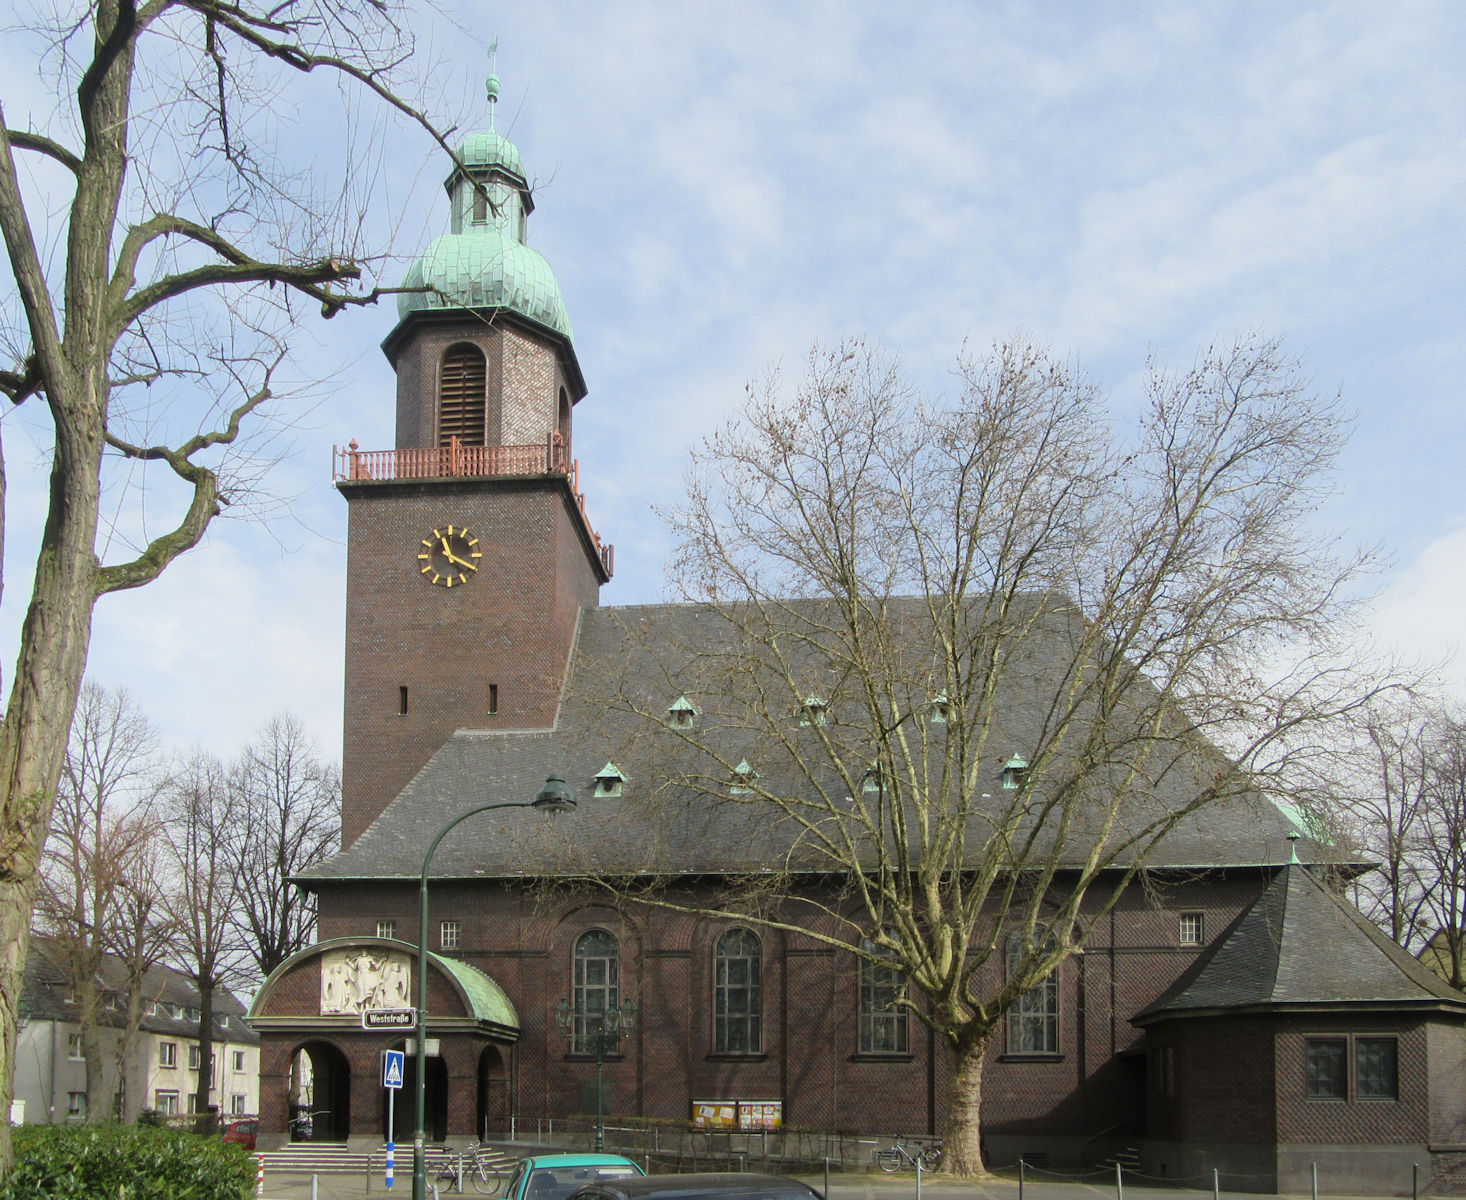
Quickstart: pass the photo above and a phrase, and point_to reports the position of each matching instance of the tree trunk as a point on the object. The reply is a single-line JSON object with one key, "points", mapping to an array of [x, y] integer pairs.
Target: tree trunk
{"points": [[962, 1137], [205, 1121]]}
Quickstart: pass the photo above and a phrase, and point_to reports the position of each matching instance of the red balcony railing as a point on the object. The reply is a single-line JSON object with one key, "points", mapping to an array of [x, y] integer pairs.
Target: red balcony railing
{"points": [[457, 460]]}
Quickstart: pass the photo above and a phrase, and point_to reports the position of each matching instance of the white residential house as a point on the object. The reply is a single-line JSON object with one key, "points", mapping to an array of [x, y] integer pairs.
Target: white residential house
{"points": [[161, 1072]]}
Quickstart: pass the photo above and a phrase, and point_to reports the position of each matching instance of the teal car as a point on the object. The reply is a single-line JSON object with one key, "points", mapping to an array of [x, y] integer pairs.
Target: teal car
{"points": [[555, 1176]]}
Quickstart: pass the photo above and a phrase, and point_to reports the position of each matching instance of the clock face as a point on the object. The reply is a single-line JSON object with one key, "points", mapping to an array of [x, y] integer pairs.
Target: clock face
{"points": [[449, 556]]}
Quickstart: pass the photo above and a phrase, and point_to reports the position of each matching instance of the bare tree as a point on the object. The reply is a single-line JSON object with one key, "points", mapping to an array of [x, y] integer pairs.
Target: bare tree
{"points": [[914, 590], [96, 878], [1440, 844], [205, 829], [151, 330], [289, 801]]}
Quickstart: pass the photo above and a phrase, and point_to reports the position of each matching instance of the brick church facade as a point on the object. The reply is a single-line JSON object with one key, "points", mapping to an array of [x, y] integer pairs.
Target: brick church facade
{"points": [[1229, 1011]]}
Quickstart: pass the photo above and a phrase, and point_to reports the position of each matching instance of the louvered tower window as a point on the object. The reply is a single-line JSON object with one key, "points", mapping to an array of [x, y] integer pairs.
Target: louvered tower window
{"points": [[462, 391]]}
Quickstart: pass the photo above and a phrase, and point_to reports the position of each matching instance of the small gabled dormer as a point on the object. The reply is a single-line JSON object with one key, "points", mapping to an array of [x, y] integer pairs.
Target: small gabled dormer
{"points": [[1015, 773], [683, 714], [814, 711], [608, 780], [744, 779], [938, 710], [871, 780]]}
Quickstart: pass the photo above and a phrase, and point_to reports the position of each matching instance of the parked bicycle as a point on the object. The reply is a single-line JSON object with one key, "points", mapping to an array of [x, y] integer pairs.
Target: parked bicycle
{"points": [[475, 1166], [927, 1157]]}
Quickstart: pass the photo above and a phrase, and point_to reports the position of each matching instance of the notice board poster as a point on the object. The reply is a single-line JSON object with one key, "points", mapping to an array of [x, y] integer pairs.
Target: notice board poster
{"points": [[744, 1115]]}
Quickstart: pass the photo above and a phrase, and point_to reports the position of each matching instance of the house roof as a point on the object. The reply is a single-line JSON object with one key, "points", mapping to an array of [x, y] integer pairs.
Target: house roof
{"points": [[47, 996], [654, 654], [1300, 946]]}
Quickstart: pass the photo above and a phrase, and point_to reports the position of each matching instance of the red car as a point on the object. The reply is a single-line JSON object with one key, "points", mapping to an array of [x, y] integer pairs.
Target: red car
{"points": [[242, 1132]]}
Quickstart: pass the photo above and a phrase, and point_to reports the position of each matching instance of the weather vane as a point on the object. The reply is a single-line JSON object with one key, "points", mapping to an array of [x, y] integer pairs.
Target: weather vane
{"points": [[491, 84]]}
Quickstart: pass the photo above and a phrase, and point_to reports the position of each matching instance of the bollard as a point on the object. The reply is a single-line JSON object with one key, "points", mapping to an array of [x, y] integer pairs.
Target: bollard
{"points": [[918, 1177], [827, 1176], [1216, 1185], [1315, 1180], [1020, 1179], [1119, 1184], [391, 1163], [1414, 1181], [260, 1178], [315, 1187]]}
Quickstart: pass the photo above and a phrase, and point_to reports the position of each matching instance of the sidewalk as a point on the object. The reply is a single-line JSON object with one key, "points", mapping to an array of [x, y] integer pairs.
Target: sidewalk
{"points": [[846, 1185]]}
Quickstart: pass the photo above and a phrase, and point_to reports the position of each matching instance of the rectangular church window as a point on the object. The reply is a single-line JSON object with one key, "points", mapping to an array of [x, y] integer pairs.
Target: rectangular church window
{"points": [[1376, 1075], [1326, 1066]]}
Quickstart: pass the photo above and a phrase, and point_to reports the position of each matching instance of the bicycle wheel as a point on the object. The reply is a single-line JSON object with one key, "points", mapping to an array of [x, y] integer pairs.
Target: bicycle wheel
{"points": [[931, 1158], [485, 1181], [889, 1161]]}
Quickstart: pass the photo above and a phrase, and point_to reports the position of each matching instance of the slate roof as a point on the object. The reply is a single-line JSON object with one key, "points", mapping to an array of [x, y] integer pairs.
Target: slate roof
{"points": [[1300, 946], [631, 834], [46, 990]]}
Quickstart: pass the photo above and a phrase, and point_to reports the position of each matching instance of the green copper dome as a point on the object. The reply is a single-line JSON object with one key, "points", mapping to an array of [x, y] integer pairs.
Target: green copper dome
{"points": [[483, 262]]}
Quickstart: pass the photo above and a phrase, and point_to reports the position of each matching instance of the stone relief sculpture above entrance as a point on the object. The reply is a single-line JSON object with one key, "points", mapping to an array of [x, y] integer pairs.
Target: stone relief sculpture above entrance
{"points": [[353, 980]]}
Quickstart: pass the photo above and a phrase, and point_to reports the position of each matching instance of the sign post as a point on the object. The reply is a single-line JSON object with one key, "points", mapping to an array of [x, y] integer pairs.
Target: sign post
{"points": [[392, 1067]]}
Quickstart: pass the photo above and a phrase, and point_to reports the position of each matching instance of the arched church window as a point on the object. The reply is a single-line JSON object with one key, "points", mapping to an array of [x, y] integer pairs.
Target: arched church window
{"points": [[738, 993], [462, 396], [595, 987]]}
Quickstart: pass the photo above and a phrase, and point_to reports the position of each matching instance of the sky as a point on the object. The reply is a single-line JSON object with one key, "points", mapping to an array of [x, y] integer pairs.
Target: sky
{"points": [[720, 185]]}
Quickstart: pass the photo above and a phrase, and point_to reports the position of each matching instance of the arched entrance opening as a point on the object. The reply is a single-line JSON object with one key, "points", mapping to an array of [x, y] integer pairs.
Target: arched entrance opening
{"points": [[435, 1101], [493, 1093], [319, 1099]]}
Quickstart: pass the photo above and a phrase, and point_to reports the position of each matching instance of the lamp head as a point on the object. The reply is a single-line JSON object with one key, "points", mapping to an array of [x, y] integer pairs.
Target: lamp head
{"points": [[555, 796]]}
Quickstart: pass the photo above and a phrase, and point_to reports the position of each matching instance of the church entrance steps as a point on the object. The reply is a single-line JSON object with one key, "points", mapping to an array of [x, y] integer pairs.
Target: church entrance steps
{"points": [[305, 1158]]}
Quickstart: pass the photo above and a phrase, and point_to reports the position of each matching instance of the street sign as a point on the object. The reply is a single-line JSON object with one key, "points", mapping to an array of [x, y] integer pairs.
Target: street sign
{"points": [[392, 1067], [388, 1018]]}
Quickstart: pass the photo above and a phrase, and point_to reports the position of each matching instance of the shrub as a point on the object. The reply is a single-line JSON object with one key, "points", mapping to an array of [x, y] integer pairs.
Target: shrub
{"points": [[120, 1162]]}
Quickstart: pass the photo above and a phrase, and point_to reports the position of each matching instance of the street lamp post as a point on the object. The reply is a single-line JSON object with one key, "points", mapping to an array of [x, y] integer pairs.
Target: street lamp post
{"points": [[601, 1033], [553, 797]]}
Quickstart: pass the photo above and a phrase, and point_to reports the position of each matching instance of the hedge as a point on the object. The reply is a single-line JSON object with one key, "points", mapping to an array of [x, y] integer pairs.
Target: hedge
{"points": [[120, 1162]]}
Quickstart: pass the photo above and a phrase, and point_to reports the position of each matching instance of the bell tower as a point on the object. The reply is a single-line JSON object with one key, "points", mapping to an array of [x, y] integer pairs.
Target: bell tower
{"points": [[469, 551]]}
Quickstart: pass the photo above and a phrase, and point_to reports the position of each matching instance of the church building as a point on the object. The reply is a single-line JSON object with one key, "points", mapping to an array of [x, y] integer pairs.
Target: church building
{"points": [[1230, 1011]]}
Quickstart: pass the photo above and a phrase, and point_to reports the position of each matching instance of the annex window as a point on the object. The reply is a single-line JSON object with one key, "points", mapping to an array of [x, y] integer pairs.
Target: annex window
{"points": [[239, 1060], [1033, 1021], [882, 1002], [1165, 1072], [167, 1054], [1326, 1067], [76, 1104], [450, 935], [738, 993], [166, 1103], [462, 396], [1190, 929], [596, 985], [386, 929], [73, 1047], [1376, 1075]]}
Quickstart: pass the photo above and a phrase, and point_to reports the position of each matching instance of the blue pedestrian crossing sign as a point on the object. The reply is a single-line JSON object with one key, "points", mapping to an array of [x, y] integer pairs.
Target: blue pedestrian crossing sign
{"points": [[392, 1065]]}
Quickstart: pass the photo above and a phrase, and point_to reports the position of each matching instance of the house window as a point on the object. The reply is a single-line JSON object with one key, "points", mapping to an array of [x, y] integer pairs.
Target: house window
{"points": [[236, 1104], [168, 1054], [193, 1058], [386, 929], [239, 1060], [596, 983], [462, 392], [882, 1002], [738, 993], [166, 1103], [1190, 929], [73, 1047], [450, 934], [1326, 1064], [1033, 1020], [193, 1103], [1375, 1071]]}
